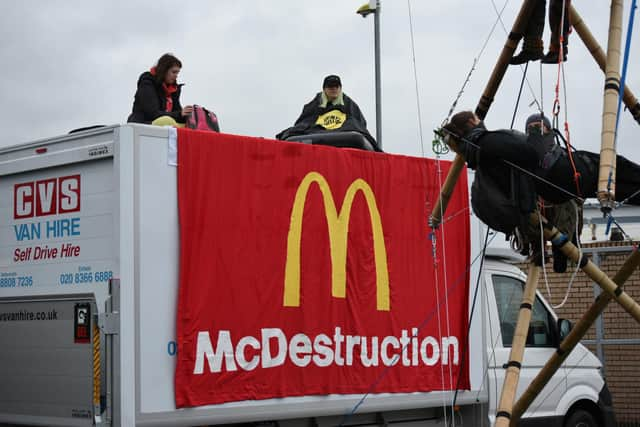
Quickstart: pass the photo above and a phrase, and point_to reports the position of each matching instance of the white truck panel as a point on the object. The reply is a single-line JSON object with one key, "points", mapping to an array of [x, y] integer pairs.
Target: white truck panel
{"points": [[128, 225]]}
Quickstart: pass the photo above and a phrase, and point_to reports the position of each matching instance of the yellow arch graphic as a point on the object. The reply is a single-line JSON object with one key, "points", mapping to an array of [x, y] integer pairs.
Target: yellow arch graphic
{"points": [[338, 224]]}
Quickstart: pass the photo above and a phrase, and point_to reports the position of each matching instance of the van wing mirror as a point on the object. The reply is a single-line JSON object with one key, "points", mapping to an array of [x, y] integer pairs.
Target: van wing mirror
{"points": [[564, 327]]}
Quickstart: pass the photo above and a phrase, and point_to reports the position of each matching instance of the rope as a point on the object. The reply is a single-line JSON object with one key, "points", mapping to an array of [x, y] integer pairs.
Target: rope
{"points": [[515, 110], [446, 297], [628, 198], [541, 89], [415, 76], [473, 306], [556, 101], [437, 286], [611, 219], [544, 270], [625, 63]]}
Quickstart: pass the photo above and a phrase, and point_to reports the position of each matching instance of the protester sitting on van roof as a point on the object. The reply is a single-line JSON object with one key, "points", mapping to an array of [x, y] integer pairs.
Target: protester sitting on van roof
{"points": [[157, 100], [330, 110]]}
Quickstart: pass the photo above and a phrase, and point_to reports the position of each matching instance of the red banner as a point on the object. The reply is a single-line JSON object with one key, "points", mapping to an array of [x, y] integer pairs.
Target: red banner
{"points": [[309, 270]]}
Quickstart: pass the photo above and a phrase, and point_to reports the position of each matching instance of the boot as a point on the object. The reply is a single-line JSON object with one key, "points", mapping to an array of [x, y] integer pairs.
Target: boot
{"points": [[559, 261], [532, 50], [552, 56]]}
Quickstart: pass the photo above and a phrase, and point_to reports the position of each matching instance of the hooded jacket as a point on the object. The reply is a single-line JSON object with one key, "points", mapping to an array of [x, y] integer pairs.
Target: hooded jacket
{"points": [[322, 115], [150, 101]]}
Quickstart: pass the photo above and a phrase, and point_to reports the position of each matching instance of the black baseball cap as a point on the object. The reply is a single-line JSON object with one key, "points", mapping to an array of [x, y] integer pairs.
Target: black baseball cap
{"points": [[331, 81]]}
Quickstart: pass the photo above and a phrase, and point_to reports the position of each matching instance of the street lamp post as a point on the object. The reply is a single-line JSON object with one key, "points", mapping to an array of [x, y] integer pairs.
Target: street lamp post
{"points": [[374, 7]]}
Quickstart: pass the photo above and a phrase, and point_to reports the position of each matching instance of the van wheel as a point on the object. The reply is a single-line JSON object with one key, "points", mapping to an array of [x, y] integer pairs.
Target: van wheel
{"points": [[581, 418]]}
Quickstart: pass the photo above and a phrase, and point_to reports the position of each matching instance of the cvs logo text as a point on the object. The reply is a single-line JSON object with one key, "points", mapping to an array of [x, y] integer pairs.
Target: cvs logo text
{"points": [[46, 197]]}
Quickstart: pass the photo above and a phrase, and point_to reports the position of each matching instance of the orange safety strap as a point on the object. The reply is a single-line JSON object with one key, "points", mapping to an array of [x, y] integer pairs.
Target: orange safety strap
{"points": [[556, 111]]}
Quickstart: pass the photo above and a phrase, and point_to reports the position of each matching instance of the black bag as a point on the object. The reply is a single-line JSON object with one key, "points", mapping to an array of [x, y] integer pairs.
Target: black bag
{"points": [[500, 210], [496, 209]]}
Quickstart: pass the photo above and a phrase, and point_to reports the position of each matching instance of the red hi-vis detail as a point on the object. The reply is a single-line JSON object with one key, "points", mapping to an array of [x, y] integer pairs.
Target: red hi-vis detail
{"points": [[46, 197]]}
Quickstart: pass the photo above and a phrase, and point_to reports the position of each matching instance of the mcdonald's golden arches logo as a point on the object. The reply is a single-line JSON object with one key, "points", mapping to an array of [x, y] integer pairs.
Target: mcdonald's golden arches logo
{"points": [[338, 225]]}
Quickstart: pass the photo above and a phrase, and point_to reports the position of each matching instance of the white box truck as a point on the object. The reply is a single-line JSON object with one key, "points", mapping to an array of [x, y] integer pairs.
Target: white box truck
{"points": [[88, 288]]}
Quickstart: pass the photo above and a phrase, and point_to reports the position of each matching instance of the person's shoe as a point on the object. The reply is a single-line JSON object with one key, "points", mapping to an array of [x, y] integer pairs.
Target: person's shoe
{"points": [[525, 56], [552, 56]]}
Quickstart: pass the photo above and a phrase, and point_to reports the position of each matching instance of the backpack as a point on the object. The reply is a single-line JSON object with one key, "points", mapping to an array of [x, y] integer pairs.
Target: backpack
{"points": [[203, 119], [502, 212]]}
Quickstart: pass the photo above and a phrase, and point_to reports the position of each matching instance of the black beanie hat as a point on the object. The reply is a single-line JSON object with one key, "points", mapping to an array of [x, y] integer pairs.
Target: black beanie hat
{"points": [[538, 118]]}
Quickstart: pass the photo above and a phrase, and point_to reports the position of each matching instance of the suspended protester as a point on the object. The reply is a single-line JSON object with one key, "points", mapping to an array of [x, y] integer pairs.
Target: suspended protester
{"points": [[500, 196], [566, 216], [538, 154], [330, 111], [532, 46], [157, 99]]}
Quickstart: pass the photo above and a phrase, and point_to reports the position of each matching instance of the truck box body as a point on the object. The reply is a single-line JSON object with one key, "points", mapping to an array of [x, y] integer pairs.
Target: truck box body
{"points": [[89, 250]]}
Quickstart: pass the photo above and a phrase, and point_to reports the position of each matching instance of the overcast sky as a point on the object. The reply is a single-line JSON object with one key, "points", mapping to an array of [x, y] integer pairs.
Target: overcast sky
{"points": [[69, 64]]}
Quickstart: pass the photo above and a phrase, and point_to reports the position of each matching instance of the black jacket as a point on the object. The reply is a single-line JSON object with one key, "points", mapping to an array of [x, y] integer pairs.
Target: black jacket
{"points": [[306, 123], [488, 151], [150, 103]]}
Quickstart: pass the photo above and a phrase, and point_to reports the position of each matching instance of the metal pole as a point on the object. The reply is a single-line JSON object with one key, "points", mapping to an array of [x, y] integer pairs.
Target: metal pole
{"points": [[607, 173], [378, 77], [498, 73], [571, 340], [596, 51]]}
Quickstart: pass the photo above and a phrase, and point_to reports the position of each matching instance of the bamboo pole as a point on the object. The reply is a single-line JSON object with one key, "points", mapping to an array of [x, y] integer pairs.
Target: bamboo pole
{"points": [[484, 104], [596, 51], [607, 173], [570, 251], [571, 340], [512, 375], [447, 189]]}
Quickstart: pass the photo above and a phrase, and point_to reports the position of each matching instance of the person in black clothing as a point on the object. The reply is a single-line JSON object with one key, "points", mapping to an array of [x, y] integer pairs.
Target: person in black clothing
{"points": [[157, 100], [330, 111], [538, 154], [532, 46], [566, 216]]}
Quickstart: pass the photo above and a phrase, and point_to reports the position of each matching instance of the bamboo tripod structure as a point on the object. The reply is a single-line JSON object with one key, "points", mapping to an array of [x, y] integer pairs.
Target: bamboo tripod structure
{"points": [[607, 173], [507, 414]]}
